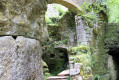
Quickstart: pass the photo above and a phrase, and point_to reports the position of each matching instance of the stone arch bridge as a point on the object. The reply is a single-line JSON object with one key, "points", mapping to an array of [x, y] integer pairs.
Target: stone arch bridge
{"points": [[72, 5]]}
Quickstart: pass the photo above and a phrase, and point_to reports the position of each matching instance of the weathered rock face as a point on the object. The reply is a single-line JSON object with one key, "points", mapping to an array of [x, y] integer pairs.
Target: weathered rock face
{"points": [[20, 59], [112, 68], [112, 43], [112, 35], [68, 28], [23, 17]]}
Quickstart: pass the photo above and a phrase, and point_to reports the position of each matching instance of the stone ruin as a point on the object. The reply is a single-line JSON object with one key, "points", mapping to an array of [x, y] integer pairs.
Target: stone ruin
{"points": [[23, 30]]}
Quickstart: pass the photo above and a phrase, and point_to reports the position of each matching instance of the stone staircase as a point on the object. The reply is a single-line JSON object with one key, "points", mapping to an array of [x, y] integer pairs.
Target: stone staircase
{"points": [[61, 76], [76, 72]]}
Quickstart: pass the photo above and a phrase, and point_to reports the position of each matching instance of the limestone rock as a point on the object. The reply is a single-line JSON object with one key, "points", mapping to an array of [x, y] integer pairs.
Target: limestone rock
{"points": [[20, 59], [78, 65], [71, 65], [74, 71]]}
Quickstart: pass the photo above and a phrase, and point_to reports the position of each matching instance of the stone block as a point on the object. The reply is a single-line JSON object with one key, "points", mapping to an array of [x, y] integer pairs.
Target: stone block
{"points": [[74, 71], [71, 66], [20, 59]]}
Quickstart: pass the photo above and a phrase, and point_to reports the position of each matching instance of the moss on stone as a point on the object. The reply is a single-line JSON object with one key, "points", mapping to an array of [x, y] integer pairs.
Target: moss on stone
{"points": [[96, 77], [2, 5], [96, 30], [83, 49], [79, 50], [46, 75], [2, 17], [90, 24], [75, 59], [72, 51]]}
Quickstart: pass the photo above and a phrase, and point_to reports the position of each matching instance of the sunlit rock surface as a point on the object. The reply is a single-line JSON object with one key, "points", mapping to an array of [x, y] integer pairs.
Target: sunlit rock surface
{"points": [[20, 59]]}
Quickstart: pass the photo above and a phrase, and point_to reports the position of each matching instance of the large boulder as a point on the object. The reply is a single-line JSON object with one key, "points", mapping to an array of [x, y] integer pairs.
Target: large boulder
{"points": [[20, 59]]}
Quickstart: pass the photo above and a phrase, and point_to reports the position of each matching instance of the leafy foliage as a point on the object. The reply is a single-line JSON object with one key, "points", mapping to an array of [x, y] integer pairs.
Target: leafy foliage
{"points": [[91, 11], [68, 77], [62, 11], [46, 75], [47, 19], [113, 11], [81, 54], [96, 77]]}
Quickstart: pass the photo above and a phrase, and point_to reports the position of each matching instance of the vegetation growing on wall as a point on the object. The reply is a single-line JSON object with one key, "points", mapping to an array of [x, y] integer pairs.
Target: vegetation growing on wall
{"points": [[93, 15], [91, 10], [81, 54], [112, 35], [61, 10], [57, 27], [46, 75]]}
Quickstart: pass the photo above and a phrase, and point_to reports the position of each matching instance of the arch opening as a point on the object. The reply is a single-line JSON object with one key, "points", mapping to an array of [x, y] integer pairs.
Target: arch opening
{"points": [[60, 22], [72, 5]]}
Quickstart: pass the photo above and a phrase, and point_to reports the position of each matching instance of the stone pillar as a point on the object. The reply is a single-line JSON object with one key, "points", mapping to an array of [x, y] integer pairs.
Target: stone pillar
{"points": [[20, 59], [81, 31]]}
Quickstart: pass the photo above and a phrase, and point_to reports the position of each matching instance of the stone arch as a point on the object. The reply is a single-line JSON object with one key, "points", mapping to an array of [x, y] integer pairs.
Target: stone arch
{"points": [[70, 4]]}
